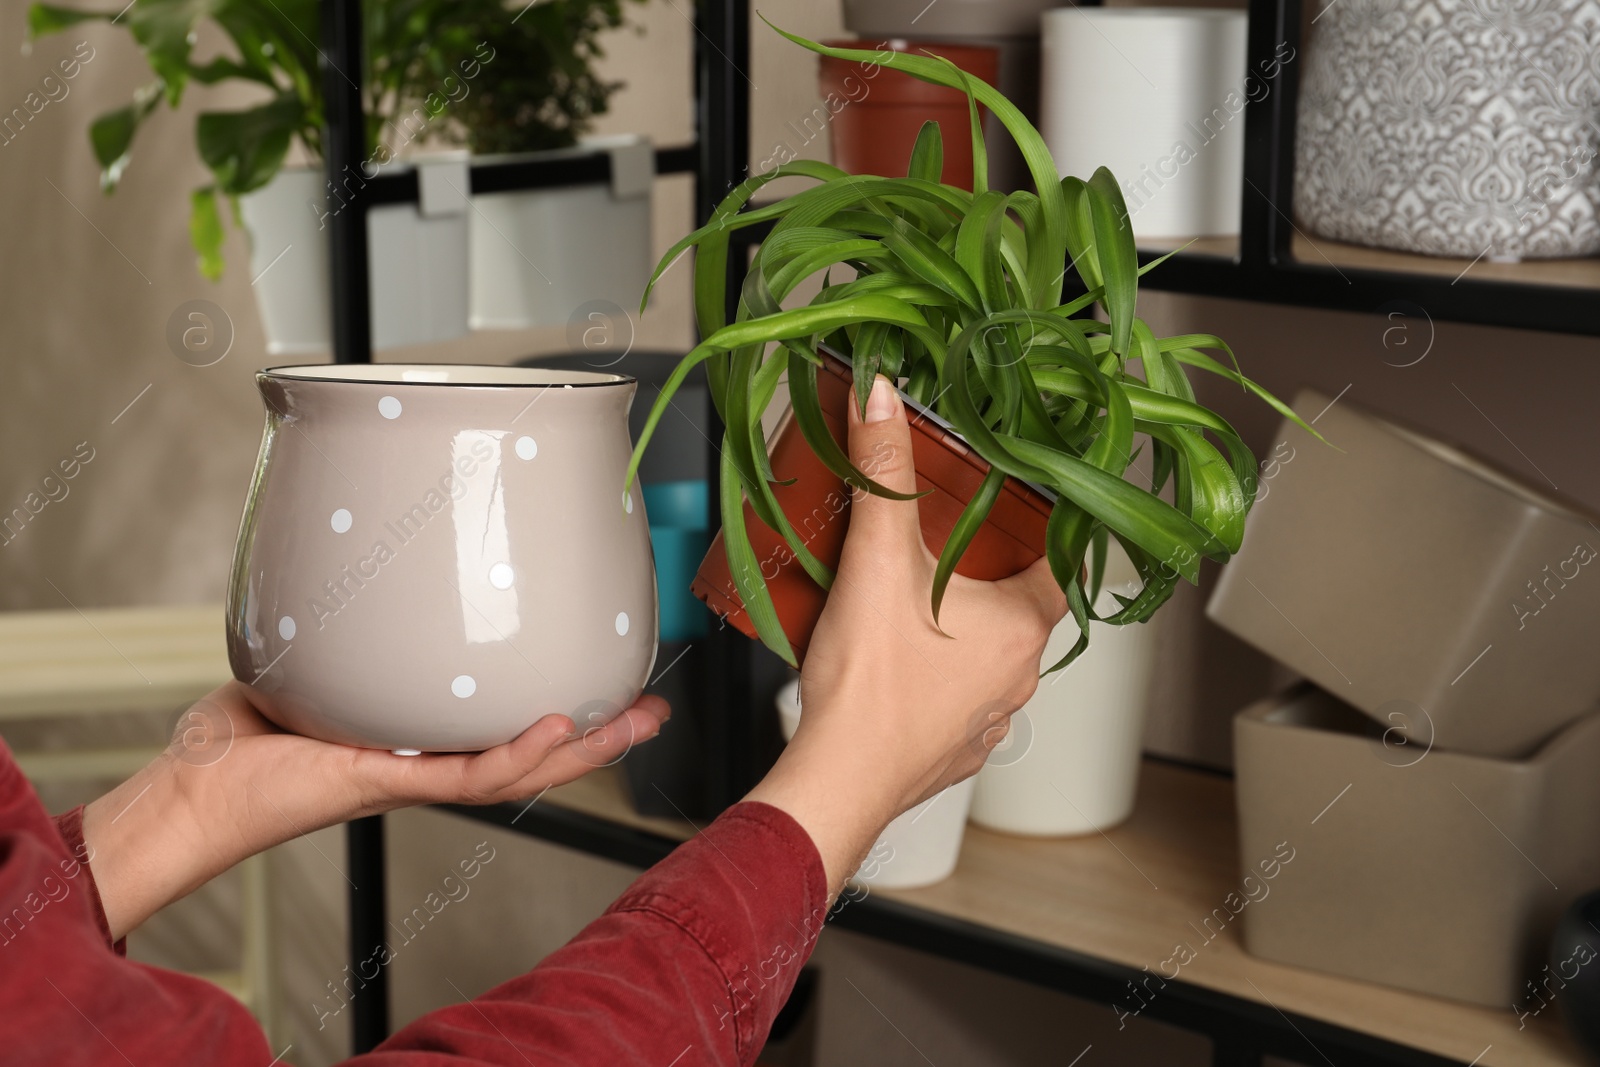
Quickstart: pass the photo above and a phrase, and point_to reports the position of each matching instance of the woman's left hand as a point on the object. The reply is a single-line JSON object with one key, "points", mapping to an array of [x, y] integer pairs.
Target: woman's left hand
{"points": [[232, 784]]}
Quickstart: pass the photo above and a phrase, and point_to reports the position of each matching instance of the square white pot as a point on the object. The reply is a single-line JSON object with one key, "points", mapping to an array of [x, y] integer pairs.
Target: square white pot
{"points": [[416, 254], [539, 256]]}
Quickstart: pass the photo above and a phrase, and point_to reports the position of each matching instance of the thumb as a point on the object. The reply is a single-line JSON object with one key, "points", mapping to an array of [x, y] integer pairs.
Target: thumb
{"points": [[880, 447]]}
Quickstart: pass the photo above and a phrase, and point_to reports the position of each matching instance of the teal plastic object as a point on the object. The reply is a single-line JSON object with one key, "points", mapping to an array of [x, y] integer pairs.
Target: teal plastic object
{"points": [[680, 537]]}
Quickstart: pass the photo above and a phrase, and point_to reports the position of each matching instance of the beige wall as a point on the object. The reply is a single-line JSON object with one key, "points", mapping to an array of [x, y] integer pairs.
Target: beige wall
{"points": [[86, 287]]}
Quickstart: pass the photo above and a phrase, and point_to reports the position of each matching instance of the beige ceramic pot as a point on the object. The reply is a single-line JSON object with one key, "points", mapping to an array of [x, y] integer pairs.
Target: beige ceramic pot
{"points": [[432, 558], [1438, 594], [1365, 854]]}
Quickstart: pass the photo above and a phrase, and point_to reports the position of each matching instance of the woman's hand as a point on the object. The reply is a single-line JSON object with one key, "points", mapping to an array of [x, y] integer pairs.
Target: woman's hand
{"points": [[232, 784], [895, 710]]}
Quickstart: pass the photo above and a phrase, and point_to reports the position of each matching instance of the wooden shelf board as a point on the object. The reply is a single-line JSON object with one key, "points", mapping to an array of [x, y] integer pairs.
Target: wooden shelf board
{"points": [[1325, 254], [1567, 273], [1130, 897], [109, 659], [1220, 247]]}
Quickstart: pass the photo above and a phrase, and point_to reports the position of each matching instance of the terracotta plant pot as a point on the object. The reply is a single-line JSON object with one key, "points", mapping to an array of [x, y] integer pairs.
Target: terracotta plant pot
{"points": [[818, 504], [877, 113], [1388, 862], [434, 557]]}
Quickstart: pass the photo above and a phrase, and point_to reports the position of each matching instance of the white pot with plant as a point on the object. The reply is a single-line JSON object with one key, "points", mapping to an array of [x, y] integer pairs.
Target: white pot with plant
{"points": [[535, 103], [429, 70]]}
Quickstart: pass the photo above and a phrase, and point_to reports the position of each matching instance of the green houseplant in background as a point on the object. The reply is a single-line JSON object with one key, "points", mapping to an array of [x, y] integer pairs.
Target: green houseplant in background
{"points": [[959, 297], [417, 54], [533, 104], [475, 73]]}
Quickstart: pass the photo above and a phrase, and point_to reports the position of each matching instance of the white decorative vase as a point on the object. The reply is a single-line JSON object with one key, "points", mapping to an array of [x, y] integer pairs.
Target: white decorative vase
{"points": [[1173, 129], [921, 846], [1070, 763], [416, 254], [540, 255], [1453, 127]]}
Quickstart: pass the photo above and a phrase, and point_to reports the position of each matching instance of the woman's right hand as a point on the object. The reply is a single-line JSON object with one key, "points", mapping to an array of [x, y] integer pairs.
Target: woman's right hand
{"points": [[895, 710]]}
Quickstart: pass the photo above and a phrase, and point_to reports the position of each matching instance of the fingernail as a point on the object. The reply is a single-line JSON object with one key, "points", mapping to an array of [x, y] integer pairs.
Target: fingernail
{"points": [[883, 402]]}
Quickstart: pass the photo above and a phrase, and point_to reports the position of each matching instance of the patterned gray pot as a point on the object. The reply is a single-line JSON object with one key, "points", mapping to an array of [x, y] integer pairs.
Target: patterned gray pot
{"points": [[434, 557], [1453, 127]]}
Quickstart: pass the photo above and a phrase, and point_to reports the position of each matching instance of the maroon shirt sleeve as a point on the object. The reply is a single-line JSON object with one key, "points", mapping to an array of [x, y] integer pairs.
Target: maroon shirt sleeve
{"points": [[688, 968]]}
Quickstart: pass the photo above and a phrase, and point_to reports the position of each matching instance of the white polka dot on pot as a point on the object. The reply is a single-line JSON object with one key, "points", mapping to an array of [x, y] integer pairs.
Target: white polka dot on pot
{"points": [[389, 407], [622, 624], [464, 685], [341, 520], [627, 502], [527, 447], [286, 628], [501, 576]]}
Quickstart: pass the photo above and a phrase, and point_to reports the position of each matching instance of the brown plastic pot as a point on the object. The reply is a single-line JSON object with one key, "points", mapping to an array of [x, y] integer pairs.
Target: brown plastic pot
{"points": [[818, 505], [878, 112]]}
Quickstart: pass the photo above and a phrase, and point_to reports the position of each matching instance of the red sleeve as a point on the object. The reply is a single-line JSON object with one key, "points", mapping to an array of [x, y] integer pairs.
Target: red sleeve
{"points": [[687, 969], [67, 999]]}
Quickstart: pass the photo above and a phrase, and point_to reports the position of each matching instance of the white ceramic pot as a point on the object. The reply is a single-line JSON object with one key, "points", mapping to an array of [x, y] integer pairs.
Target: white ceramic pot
{"points": [[1172, 131], [1452, 127], [434, 557], [1070, 763], [416, 253], [921, 846], [540, 255]]}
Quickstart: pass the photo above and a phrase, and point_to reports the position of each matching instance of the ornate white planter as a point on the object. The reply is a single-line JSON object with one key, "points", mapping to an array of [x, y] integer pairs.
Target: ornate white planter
{"points": [[1453, 127]]}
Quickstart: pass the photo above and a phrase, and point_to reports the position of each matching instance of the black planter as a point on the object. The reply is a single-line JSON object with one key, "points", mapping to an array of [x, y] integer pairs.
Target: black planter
{"points": [[1575, 961]]}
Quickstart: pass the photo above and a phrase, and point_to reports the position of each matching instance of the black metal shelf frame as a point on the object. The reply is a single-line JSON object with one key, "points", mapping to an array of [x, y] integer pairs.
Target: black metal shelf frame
{"points": [[1242, 1031], [717, 159]]}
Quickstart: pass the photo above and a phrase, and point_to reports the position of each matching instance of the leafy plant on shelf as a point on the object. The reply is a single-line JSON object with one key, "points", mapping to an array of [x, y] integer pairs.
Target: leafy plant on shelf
{"points": [[542, 91], [957, 296], [423, 58]]}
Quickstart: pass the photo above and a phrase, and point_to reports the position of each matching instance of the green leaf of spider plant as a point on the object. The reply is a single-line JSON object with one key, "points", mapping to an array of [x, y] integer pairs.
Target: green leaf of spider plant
{"points": [[745, 567]]}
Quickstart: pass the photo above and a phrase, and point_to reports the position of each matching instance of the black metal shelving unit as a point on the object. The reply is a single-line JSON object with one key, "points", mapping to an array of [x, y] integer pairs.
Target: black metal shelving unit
{"points": [[1242, 1030], [717, 159]]}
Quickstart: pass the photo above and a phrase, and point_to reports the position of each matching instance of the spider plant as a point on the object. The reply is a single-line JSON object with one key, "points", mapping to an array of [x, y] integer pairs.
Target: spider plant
{"points": [[958, 297]]}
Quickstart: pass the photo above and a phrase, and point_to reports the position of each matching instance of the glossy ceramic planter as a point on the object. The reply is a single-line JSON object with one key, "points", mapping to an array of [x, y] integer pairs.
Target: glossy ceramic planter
{"points": [[818, 505], [435, 557], [1422, 585], [1423, 869]]}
